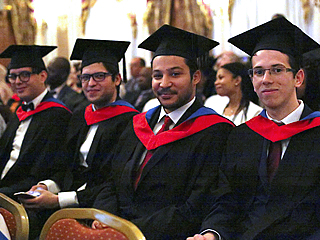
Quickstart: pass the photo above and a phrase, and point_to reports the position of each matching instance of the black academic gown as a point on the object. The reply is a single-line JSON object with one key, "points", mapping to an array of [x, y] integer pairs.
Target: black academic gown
{"points": [[101, 151], [252, 208], [42, 141], [174, 189], [71, 174]]}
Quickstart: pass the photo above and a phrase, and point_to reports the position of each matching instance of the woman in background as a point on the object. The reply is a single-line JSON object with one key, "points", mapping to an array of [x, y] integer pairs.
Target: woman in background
{"points": [[240, 103]]}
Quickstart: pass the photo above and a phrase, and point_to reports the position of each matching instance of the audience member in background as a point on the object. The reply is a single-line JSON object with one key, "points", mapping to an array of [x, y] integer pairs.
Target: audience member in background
{"points": [[5, 89], [132, 89], [58, 72], [224, 58], [234, 82], [73, 80], [145, 85], [5, 95], [37, 129], [206, 88], [92, 134], [309, 91]]}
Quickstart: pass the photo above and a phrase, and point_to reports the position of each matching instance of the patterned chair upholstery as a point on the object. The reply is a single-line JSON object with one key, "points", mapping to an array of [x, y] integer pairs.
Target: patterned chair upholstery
{"points": [[15, 217], [63, 225], [67, 228], [10, 222]]}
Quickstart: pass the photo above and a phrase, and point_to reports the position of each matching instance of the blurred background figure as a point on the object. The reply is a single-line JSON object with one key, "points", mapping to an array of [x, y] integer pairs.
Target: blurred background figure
{"points": [[145, 85], [73, 80], [241, 104], [58, 73], [131, 88], [5, 90], [309, 91], [224, 58], [5, 95]]}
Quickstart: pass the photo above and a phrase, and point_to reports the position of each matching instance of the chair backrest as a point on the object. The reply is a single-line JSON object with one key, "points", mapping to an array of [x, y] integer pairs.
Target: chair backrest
{"points": [[63, 223], [15, 217]]}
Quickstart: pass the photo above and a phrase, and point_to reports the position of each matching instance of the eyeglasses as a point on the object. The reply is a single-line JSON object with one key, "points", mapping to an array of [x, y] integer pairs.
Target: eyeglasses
{"points": [[276, 71], [24, 76], [98, 76]]}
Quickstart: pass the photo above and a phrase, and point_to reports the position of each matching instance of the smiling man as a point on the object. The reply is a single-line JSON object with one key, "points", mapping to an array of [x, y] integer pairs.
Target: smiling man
{"points": [[271, 166], [36, 132], [92, 135], [167, 159]]}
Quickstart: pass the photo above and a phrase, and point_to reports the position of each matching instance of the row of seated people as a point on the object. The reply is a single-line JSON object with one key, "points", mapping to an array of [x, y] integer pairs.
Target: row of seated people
{"points": [[164, 169]]}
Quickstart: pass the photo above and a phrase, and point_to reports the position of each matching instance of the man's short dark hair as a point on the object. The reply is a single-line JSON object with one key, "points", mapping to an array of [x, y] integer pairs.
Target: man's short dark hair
{"points": [[142, 62]]}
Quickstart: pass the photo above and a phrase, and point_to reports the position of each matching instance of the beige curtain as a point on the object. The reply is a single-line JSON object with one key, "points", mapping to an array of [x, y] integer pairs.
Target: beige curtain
{"points": [[23, 24], [184, 14]]}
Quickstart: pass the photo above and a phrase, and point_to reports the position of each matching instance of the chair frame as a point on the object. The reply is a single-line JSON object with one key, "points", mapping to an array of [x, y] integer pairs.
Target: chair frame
{"points": [[124, 226], [20, 216]]}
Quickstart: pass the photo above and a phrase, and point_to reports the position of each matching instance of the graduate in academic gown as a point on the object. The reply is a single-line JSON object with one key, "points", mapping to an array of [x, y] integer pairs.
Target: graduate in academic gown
{"points": [[92, 134], [35, 134], [270, 174], [162, 181]]}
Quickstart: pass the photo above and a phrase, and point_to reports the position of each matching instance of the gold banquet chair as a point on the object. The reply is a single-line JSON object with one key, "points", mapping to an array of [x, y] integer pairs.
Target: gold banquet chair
{"points": [[15, 217], [63, 225]]}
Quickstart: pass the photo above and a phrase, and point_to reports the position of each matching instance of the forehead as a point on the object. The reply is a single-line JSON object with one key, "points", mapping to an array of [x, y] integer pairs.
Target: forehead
{"points": [[94, 67], [223, 71], [269, 58], [168, 62], [17, 70]]}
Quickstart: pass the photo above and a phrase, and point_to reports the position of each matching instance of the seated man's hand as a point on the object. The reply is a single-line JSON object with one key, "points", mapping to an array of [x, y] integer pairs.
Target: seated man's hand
{"points": [[207, 236], [98, 225], [45, 200], [38, 186]]}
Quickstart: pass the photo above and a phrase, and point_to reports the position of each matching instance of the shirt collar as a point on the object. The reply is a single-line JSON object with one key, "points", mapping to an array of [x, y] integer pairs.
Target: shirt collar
{"points": [[57, 90], [176, 114], [38, 99], [292, 117]]}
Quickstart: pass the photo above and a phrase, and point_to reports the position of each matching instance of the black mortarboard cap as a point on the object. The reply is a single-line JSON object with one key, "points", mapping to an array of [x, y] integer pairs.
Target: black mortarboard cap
{"points": [[278, 34], [92, 51], [26, 55], [168, 40]]}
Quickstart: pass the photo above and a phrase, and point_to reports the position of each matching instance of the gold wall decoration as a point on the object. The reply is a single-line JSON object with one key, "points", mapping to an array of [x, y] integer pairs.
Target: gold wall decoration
{"points": [[23, 22], [184, 14], [86, 5], [134, 25], [230, 8], [306, 9]]}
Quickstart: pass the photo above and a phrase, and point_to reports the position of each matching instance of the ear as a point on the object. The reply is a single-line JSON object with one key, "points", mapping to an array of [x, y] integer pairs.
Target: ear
{"points": [[299, 78], [237, 81], [196, 78], [117, 79], [43, 75]]}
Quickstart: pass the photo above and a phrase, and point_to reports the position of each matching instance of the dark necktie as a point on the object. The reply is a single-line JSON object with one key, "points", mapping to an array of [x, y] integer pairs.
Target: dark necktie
{"points": [[26, 107], [274, 157], [165, 127]]}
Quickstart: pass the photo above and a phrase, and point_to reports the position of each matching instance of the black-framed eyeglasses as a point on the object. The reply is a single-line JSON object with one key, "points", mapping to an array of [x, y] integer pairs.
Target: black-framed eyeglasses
{"points": [[98, 76], [24, 76], [275, 70]]}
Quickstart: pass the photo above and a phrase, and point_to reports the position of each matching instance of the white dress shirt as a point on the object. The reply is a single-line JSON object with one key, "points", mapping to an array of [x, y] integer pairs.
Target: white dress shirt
{"points": [[19, 137]]}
